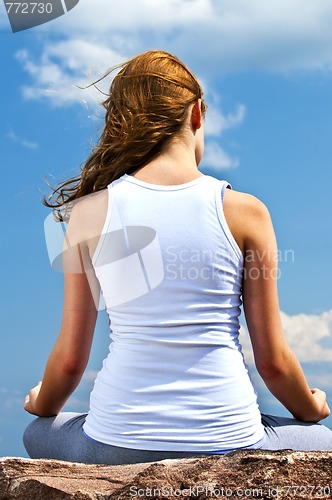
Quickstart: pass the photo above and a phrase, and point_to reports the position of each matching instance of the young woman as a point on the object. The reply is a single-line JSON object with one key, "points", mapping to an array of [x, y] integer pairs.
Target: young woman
{"points": [[168, 247]]}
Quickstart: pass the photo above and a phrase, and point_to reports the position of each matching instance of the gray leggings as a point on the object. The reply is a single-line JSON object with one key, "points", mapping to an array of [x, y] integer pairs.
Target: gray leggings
{"points": [[62, 438]]}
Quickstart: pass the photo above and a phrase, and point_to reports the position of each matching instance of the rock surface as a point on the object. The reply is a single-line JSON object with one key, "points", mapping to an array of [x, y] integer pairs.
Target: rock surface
{"points": [[255, 474]]}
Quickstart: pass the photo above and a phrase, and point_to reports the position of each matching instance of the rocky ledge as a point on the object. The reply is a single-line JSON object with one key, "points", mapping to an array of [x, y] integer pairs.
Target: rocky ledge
{"points": [[246, 474]]}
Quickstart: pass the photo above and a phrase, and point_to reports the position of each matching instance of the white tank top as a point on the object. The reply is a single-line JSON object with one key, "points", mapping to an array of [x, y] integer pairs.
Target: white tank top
{"points": [[170, 272]]}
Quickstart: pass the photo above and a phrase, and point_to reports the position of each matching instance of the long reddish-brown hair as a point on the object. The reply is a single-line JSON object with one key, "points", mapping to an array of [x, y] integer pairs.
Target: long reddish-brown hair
{"points": [[146, 106]]}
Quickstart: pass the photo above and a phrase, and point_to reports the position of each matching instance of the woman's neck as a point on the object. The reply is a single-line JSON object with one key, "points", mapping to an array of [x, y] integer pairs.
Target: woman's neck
{"points": [[175, 166]]}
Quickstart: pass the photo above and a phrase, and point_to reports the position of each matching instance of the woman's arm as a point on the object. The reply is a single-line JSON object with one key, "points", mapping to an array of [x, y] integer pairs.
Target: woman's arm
{"points": [[251, 226], [69, 357]]}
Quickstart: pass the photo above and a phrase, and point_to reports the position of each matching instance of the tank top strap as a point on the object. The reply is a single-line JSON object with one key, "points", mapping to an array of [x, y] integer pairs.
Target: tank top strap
{"points": [[223, 186], [219, 194]]}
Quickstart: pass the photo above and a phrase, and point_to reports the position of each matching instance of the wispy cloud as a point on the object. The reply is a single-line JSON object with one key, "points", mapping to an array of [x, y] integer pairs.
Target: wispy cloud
{"points": [[215, 158], [64, 69], [10, 398], [217, 122], [25, 143]]}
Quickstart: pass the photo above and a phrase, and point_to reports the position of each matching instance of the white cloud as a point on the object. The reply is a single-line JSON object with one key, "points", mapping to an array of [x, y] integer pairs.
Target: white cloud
{"points": [[131, 16], [310, 337], [215, 158], [64, 67], [213, 37], [227, 35], [68, 64], [216, 122]]}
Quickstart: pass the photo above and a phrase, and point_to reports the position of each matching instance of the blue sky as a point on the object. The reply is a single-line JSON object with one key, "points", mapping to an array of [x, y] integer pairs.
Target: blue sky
{"points": [[267, 72]]}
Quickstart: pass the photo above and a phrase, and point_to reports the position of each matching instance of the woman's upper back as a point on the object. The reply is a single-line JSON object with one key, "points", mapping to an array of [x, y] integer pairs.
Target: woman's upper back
{"points": [[170, 239], [243, 213]]}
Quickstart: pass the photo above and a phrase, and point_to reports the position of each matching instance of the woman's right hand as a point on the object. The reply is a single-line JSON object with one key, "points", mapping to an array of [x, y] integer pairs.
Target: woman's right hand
{"points": [[322, 406]]}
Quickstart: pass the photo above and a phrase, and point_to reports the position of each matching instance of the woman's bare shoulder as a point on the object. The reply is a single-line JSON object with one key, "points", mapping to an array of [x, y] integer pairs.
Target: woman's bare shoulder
{"points": [[244, 201], [88, 216], [91, 203], [245, 214]]}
